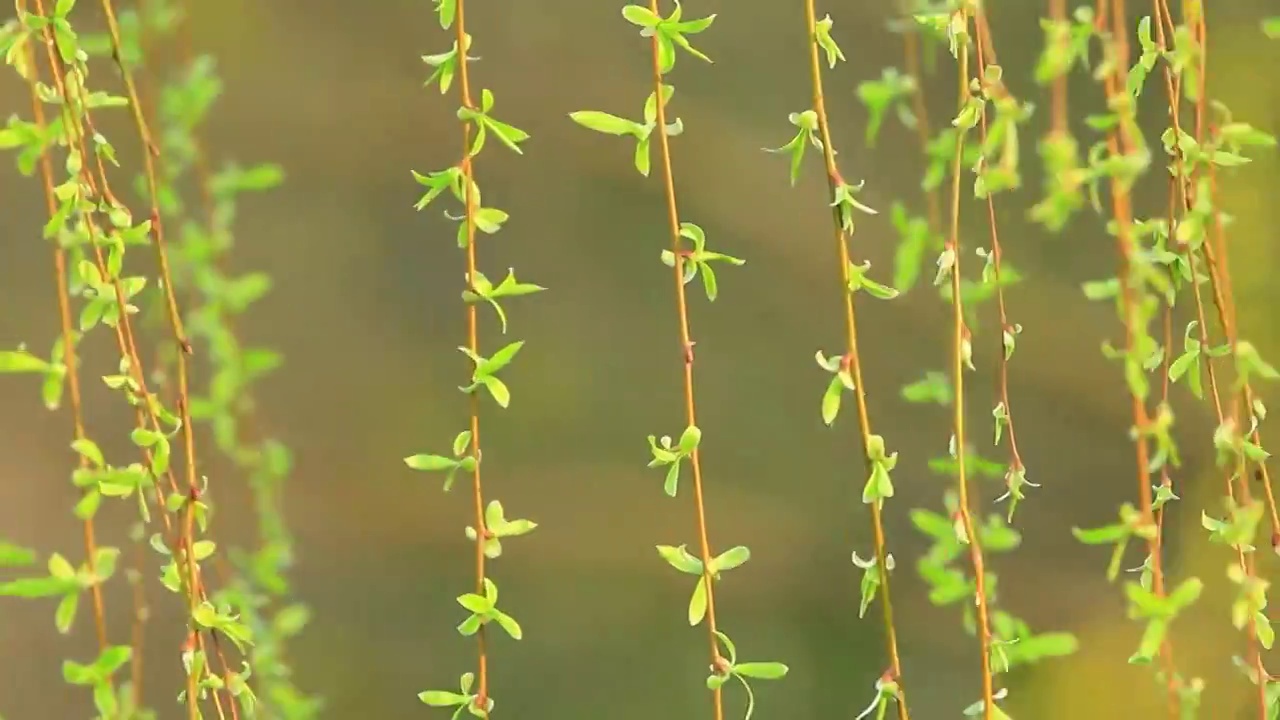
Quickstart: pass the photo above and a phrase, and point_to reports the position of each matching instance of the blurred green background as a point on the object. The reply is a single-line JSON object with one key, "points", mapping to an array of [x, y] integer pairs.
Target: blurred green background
{"points": [[366, 310]]}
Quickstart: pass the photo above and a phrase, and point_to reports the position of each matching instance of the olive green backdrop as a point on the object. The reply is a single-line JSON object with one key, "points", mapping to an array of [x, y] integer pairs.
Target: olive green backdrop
{"points": [[366, 310]]}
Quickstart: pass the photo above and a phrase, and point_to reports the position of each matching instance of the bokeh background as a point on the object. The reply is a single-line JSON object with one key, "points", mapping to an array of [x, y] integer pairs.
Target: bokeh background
{"points": [[366, 310]]}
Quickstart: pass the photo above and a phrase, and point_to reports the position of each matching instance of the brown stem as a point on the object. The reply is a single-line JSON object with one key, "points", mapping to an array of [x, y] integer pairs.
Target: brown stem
{"points": [[1118, 142], [473, 342], [960, 336], [1219, 282], [138, 629], [997, 253], [911, 53], [70, 353], [851, 349], [78, 128], [1058, 14], [150, 153], [686, 346]]}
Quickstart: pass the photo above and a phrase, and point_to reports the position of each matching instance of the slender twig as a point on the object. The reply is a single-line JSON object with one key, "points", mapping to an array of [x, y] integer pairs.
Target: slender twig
{"points": [[997, 253], [137, 632], [205, 183], [150, 154], [78, 128], [1058, 108], [686, 345], [70, 352], [852, 356], [153, 169], [1219, 281], [920, 109], [200, 158], [1216, 260], [960, 339], [471, 202], [1118, 142]]}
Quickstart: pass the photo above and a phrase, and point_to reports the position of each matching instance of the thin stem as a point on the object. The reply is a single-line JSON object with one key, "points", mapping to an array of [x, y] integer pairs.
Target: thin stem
{"points": [[70, 353], [997, 254], [1216, 258], [1219, 280], [200, 159], [1058, 111], [1119, 141], [473, 342], [960, 337], [188, 525], [852, 356], [78, 127], [920, 108], [1166, 361], [137, 633], [686, 345], [150, 153]]}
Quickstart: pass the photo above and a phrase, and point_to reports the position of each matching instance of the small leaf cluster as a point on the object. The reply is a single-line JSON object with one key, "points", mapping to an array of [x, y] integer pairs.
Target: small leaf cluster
{"points": [[673, 456], [603, 122], [484, 609], [259, 590], [462, 460], [94, 230], [486, 369], [698, 260], [1013, 643], [670, 32], [496, 527], [680, 559], [460, 701], [729, 667]]}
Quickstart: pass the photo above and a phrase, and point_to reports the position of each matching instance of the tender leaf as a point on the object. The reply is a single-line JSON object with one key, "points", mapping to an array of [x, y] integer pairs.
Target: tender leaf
{"points": [[15, 556], [731, 558], [21, 361], [761, 670], [603, 122], [698, 602], [430, 462], [443, 698]]}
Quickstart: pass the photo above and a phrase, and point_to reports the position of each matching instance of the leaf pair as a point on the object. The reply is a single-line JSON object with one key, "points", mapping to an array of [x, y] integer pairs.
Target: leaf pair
{"points": [[446, 65], [497, 526], [890, 92], [603, 122], [64, 580], [97, 675], [21, 361], [698, 260], [871, 579], [841, 380], [464, 700], [484, 123], [729, 667], [807, 134], [483, 289], [461, 460], [670, 32], [680, 559], [485, 369], [1117, 535], [665, 454], [484, 609]]}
